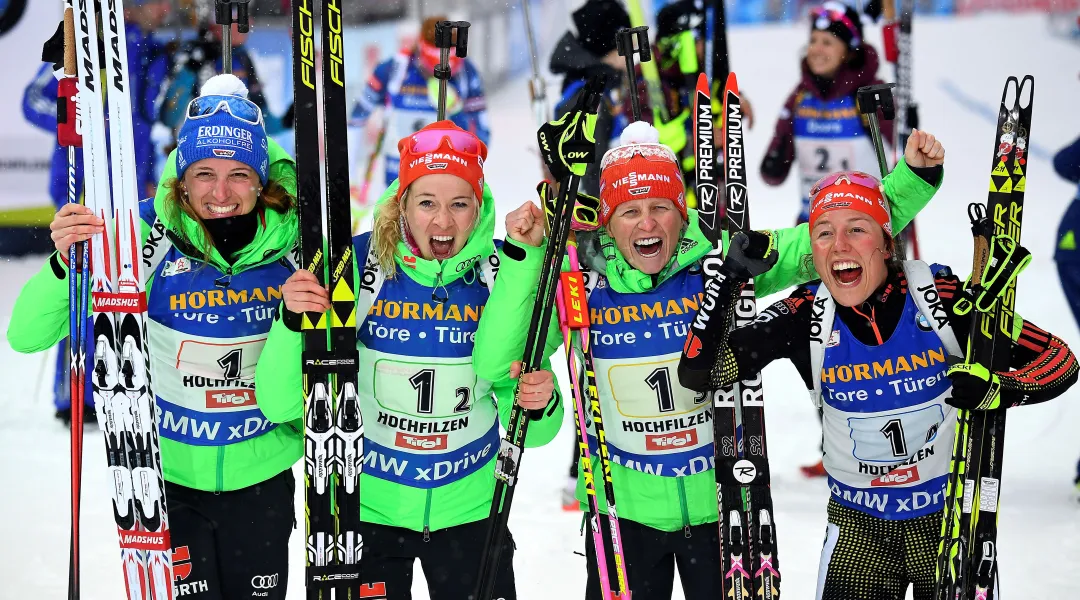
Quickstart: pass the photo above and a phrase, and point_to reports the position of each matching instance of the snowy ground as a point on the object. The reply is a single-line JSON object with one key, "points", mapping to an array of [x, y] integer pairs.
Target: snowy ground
{"points": [[960, 68]]}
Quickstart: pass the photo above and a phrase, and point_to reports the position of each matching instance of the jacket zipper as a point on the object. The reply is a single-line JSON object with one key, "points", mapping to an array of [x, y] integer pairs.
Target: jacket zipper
{"points": [[682, 506], [220, 469]]}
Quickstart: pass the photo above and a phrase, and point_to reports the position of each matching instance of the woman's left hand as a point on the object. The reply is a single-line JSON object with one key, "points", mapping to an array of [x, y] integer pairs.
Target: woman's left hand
{"points": [[526, 225], [536, 389]]}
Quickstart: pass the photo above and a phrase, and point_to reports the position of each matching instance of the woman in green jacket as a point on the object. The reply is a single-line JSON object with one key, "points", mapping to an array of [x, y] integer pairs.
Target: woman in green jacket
{"points": [[431, 425], [645, 287], [217, 237]]}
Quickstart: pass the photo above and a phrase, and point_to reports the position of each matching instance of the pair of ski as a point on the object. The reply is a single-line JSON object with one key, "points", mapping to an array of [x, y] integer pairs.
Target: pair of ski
{"points": [[967, 553], [749, 562], [109, 274], [333, 425]]}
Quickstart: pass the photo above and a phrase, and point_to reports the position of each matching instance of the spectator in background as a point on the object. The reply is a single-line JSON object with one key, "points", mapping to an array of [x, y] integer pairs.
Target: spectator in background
{"points": [[199, 59], [1067, 165], [148, 65], [405, 88]]}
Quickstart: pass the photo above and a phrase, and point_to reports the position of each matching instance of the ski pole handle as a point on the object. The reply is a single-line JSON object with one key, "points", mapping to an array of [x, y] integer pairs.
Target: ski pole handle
{"points": [[624, 43], [444, 40], [870, 99], [223, 15]]}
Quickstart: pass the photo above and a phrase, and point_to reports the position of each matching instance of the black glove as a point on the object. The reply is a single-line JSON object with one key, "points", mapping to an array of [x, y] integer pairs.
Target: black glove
{"points": [[749, 254], [873, 10], [774, 166], [973, 387]]}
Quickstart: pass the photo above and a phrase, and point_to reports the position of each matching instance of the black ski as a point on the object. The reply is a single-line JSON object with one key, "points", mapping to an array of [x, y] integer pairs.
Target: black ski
{"points": [[333, 428], [967, 554], [748, 530]]}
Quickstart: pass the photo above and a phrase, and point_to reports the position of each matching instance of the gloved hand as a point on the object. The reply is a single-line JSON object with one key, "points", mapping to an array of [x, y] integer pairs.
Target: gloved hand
{"points": [[568, 143], [750, 254], [973, 387]]}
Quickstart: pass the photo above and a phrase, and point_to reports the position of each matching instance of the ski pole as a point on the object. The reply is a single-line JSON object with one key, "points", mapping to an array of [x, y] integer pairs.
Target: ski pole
{"points": [[624, 43], [870, 99], [223, 15], [444, 40]]}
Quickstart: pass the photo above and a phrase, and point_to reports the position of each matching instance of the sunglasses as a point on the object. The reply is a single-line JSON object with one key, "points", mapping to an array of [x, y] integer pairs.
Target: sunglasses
{"points": [[851, 177], [240, 108], [432, 139]]}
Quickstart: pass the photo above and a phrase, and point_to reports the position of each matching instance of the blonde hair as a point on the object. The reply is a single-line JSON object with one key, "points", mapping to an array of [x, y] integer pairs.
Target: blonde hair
{"points": [[273, 196], [386, 231]]}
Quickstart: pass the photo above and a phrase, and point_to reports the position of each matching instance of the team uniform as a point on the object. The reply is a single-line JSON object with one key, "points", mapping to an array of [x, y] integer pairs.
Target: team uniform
{"points": [[431, 422], [402, 87], [1067, 165], [227, 469], [877, 371], [659, 433], [820, 129]]}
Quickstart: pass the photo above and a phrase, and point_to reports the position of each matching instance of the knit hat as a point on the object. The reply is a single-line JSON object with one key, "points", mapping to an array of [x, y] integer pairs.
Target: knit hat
{"points": [[597, 22], [854, 190], [640, 167], [223, 123], [442, 147], [840, 20]]}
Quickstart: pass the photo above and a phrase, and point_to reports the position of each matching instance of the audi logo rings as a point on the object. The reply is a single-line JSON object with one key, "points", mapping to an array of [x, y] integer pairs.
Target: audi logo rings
{"points": [[264, 582]]}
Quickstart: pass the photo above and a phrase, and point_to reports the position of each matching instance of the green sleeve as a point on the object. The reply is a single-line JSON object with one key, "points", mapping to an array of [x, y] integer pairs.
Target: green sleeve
{"points": [[907, 193], [501, 333], [279, 383], [39, 318]]}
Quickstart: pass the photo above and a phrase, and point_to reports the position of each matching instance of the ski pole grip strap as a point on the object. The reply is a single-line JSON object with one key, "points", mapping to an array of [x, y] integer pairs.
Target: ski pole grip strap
{"points": [[1007, 260], [323, 362]]}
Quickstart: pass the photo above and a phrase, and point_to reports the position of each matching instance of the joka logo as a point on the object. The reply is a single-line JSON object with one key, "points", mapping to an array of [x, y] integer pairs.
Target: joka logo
{"points": [[264, 582], [901, 476], [223, 153], [230, 398], [373, 591], [420, 442], [181, 559], [671, 441]]}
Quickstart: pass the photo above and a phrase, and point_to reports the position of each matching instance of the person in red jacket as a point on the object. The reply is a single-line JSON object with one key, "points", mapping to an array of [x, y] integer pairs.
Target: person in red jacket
{"points": [[820, 127]]}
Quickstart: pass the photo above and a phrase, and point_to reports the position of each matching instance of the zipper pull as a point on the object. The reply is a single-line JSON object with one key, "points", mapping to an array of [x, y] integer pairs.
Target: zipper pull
{"points": [[435, 297], [427, 534], [686, 531]]}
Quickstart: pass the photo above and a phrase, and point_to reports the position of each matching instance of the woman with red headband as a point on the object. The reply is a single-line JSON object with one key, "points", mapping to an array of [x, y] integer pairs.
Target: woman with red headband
{"points": [[820, 126], [431, 423], [872, 345], [645, 284]]}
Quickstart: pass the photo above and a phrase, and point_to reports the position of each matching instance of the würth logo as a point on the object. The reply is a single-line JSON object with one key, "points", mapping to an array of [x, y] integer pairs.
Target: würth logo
{"points": [[420, 442], [671, 441], [229, 398]]}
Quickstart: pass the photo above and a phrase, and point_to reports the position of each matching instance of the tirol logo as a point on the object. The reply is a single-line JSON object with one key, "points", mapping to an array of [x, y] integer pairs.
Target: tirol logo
{"points": [[901, 476], [420, 442], [230, 398], [671, 441], [223, 153]]}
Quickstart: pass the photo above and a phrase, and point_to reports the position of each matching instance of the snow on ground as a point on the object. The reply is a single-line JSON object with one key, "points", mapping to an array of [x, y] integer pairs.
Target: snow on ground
{"points": [[960, 65]]}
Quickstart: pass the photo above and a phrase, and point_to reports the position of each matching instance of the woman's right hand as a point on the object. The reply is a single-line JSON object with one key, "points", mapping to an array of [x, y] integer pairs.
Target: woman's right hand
{"points": [[302, 293], [74, 223]]}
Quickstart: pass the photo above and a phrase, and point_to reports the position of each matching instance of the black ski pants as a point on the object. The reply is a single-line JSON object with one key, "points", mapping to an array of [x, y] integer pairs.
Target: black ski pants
{"points": [[229, 545], [651, 556], [449, 557]]}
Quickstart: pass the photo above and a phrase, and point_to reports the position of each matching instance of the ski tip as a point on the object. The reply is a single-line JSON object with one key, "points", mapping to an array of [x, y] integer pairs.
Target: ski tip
{"points": [[703, 84], [732, 85]]}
